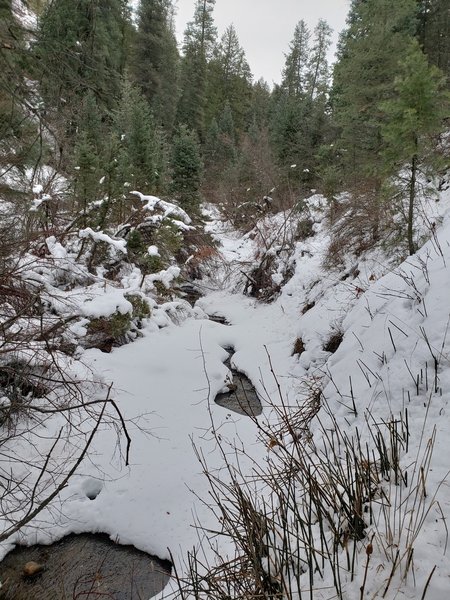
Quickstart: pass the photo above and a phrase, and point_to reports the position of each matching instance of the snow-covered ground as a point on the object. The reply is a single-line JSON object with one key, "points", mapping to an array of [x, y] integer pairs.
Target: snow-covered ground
{"points": [[395, 328]]}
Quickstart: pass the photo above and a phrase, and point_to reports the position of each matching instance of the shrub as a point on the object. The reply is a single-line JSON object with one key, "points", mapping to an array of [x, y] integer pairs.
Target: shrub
{"points": [[113, 327]]}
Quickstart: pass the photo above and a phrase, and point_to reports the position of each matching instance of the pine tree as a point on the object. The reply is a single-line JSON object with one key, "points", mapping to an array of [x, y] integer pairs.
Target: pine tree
{"points": [[20, 139], [378, 37], [434, 33], [136, 131], [414, 118], [260, 103], [220, 150], [199, 40], [85, 177], [81, 47], [299, 117], [186, 167], [295, 72], [201, 32], [289, 111], [229, 80], [155, 59], [87, 166], [319, 75], [212, 147]]}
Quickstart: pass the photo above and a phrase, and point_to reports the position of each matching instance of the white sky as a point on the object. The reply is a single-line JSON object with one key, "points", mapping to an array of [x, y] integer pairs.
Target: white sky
{"points": [[265, 27]]}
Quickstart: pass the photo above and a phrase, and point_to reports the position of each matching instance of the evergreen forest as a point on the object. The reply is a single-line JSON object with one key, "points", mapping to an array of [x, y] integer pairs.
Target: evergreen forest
{"points": [[112, 103]]}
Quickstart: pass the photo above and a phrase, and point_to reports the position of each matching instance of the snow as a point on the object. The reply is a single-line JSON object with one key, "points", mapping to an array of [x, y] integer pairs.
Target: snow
{"points": [[99, 236], [56, 249], [36, 203], [165, 383], [166, 276], [168, 208], [26, 16], [105, 303]]}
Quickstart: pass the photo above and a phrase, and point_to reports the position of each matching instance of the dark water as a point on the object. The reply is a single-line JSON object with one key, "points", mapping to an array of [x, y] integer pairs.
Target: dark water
{"points": [[83, 567], [242, 397]]}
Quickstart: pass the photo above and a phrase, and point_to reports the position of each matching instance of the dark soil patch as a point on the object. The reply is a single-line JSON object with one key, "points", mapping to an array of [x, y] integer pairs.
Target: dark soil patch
{"points": [[86, 566]]}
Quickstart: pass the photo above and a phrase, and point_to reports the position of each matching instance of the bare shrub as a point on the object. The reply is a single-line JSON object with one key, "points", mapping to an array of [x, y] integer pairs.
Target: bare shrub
{"points": [[360, 220], [49, 415], [275, 240]]}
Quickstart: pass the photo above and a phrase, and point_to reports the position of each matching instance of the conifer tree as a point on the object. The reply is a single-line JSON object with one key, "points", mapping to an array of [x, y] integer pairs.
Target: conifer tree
{"points": [[229, 80], [260, 103], [136, 131], [220, 150], [186, 167], [88, 157], [414, 118], [20, 139], [85, 177], [81, 47], [299, 119], [377, 39], [212, 146], [289, 102], [318, 68], [434, 33], [199, 40], [294, 76], [155, 59]]}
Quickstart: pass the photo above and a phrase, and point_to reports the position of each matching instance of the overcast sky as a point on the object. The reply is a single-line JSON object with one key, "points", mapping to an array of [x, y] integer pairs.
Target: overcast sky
{"points": [[265, 27]]}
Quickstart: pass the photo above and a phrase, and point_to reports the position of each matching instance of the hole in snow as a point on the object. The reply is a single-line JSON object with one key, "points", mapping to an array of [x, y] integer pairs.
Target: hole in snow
{"points": [[92, 488]]}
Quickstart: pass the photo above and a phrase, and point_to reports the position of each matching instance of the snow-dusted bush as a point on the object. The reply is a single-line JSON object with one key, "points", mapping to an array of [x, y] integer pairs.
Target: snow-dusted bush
{"points": [[275, 238]]}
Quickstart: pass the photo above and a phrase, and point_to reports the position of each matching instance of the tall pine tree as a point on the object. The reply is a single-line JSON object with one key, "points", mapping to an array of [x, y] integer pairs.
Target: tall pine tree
{"points": [[414, 118], [434, 33], [155, 59], [229, 80], [199, 41], [187, 170], [294, 76], [378, 37], [81, 48], [299, 117], [20, 140]]}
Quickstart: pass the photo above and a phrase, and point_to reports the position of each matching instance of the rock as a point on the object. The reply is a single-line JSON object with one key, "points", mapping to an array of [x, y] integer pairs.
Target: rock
{"points": [[32, 568]]}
